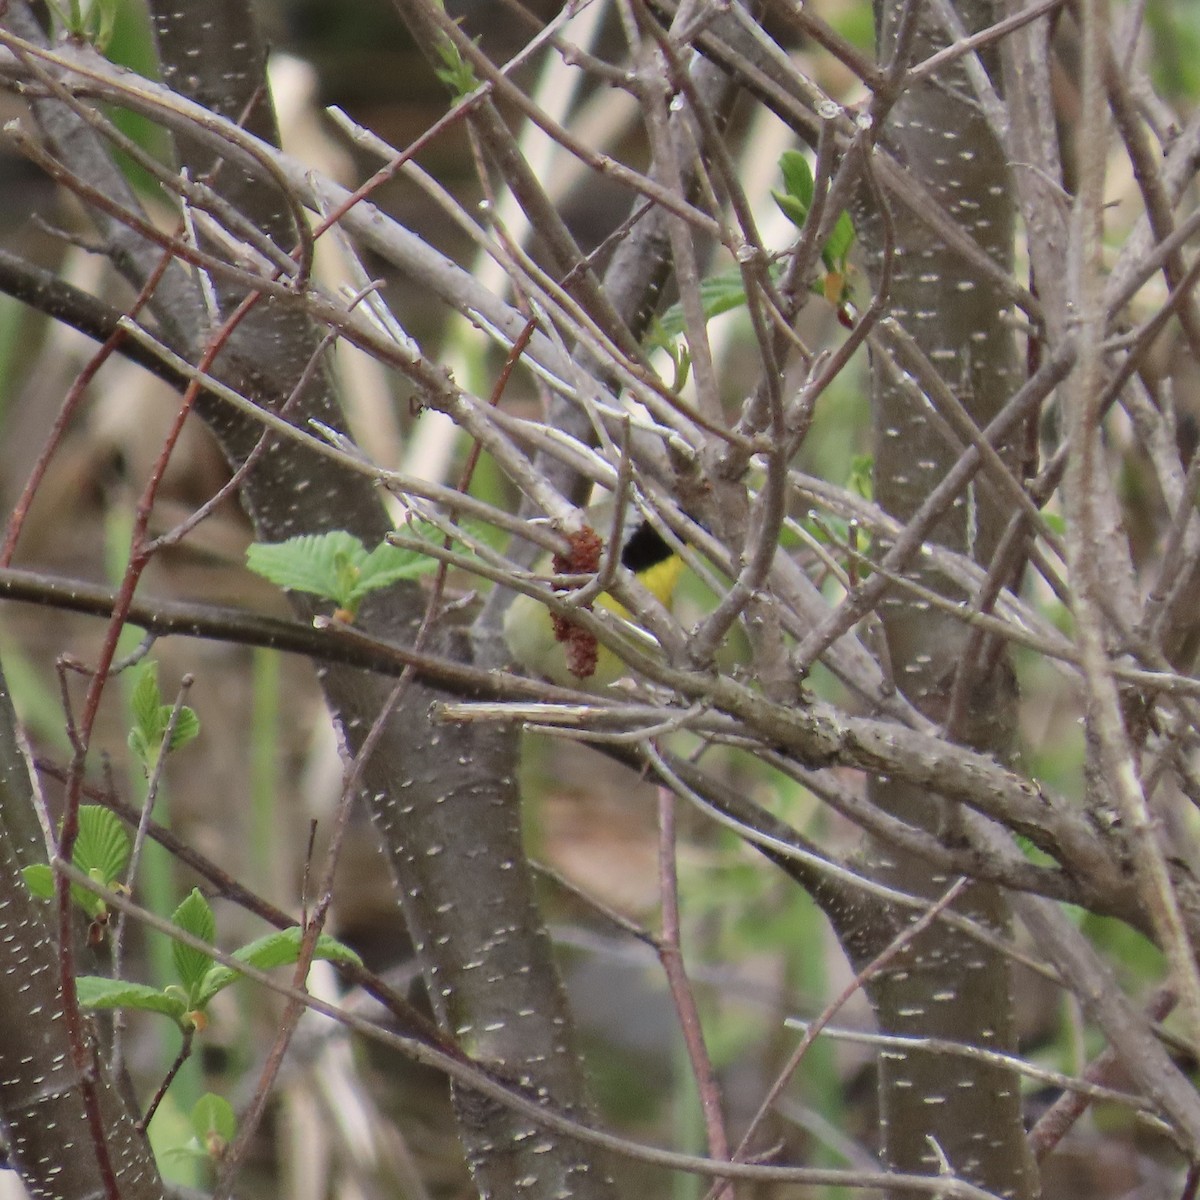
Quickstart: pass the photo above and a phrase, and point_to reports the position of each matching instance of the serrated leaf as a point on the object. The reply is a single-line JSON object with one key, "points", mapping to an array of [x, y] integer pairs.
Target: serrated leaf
{"points": [[140, 748], [95, 991], [313, 563], [278, 949], [145, 704], [102, 847], [39, 879], [349, 570], [388, 564], [213, 1114], [193, 916], [217, 979], [282, 948], [187, 727], [151, 718]]}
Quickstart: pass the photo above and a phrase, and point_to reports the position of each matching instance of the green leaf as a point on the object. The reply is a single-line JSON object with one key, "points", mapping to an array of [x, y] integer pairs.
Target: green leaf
{"points": [[193, 916], [791, 208], [837, 245], [456, 73], [388, 564], [151, 717], [796, 201], [722, 293], [718, 294], [283, 947], [278, 949], [141, 748], [335, 566], [187, 727], [102, 847], [106, 21], [217, 979], [314, 563], [658, 338], [101, 851], [145, 702], [347, 570], [797, 177], [189, 1153], [39, 879], [95, 991], [682, 359], [213, 1115], [92, 22]]}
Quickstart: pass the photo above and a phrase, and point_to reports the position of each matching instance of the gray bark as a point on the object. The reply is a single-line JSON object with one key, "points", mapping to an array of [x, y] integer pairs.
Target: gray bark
{"points": [[947, 986], [43, 1114]]}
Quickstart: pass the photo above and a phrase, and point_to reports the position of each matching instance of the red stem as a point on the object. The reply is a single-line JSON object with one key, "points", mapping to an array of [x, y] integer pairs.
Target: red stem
{"points": [[139, 555], [671, 957]]}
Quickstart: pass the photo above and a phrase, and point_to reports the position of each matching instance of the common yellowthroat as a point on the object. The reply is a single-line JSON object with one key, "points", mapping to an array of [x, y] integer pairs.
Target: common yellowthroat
{"points": [[558, 650]]}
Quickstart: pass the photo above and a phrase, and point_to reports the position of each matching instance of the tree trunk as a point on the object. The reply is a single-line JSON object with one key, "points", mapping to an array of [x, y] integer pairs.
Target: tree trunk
{"points": [[939, 1109], [44, 1115]]}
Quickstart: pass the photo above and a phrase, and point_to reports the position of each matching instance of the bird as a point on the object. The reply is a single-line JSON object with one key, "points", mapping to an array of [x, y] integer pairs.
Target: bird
{"points": [[552, 646]]}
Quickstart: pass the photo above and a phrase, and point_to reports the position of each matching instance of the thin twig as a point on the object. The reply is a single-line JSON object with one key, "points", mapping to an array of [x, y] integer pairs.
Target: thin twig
{"points": [[670, 954]]}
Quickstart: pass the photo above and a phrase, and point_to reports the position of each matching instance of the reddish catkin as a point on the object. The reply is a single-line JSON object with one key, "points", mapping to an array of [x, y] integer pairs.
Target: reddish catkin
{"points": [[579, 646]]}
